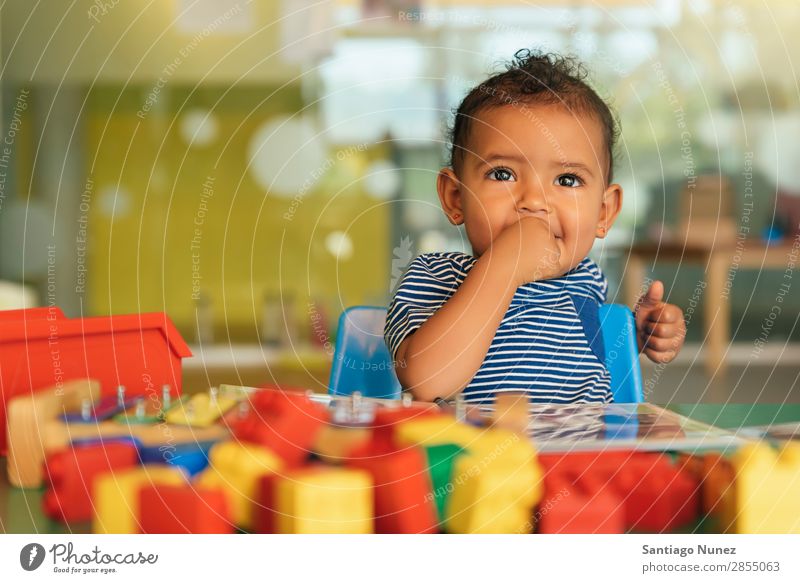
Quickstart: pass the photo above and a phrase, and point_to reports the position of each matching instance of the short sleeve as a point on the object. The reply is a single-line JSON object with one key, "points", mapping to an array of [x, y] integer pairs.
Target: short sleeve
{"points": [[427, 284]]}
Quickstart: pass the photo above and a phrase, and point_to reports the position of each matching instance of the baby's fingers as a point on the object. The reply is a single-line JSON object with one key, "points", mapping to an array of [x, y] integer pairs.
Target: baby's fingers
{"points": [[661, 344], [660, 330], [666, 314]]}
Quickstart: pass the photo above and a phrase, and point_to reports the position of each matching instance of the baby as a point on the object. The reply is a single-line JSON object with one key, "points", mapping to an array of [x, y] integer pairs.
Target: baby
{"points": [[530, 179]]}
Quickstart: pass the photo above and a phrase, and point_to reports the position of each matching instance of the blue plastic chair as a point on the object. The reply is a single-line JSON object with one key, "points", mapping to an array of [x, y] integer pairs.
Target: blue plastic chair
{"points": [[362, 362]]}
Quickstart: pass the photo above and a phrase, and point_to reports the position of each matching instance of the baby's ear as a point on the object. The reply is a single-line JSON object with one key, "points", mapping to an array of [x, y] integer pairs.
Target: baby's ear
{"points": [[450, 195], [609, 209]]}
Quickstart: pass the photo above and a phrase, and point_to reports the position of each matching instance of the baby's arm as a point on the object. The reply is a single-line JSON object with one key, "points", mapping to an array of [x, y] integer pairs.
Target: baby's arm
{"points": [[442, 356]]}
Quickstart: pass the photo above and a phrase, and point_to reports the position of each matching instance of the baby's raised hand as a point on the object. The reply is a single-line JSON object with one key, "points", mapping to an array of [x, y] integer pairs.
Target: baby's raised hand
{"points": [[529, 250], [660, 328]]}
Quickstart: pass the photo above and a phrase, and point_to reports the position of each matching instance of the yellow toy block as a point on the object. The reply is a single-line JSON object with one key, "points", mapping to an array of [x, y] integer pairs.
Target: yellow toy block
{"points": [[436, 430], [236, 468], [116, 496], [201, 410], [324, 501], [495, 486], [766, 490]]}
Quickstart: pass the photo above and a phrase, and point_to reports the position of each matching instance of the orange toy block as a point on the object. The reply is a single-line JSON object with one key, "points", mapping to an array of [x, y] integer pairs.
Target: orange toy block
{"points": [[512, 412], [334, 445], [167, 509], [28, 415]]}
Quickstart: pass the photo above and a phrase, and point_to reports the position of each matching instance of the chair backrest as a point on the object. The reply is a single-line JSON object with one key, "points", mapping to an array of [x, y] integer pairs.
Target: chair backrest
{"points": [[362, 362], [622, 353]]}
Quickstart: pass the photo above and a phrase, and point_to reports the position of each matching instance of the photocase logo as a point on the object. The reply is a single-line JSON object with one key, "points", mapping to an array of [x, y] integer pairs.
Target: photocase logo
{"points": [[402, 257], [31, 556]]}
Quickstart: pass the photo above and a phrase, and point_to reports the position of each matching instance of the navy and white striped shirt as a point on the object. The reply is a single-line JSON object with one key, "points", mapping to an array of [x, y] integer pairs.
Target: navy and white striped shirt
{"points": [[548, 343]]}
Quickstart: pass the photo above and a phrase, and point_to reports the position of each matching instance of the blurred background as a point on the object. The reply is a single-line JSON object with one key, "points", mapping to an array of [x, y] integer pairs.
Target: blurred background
{"points": [[254, 167]]}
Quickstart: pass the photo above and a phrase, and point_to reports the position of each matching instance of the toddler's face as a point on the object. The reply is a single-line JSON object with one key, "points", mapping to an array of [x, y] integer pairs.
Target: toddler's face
{"points": [[526, 160]]}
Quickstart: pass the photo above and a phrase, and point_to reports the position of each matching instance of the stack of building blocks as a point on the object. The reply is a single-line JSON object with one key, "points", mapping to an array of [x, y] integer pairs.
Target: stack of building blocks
{"points": [[285, 422], [42, 348], [170, 509], [323, 500], [116, 497], [237, 468], [71, 475], [402, 491], [29, 416], [656, 495]]}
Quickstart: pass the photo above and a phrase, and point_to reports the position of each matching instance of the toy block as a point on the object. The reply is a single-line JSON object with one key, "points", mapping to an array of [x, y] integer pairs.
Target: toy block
{"points": [[764, 498], [285, 422], [71, 475], [323, 500], [167, 509], [441, 459], [191, 456], [511, 411], [334, 445], [201, 410], [27, 415], [264, 514], [40, 348], [495, 486], [578, 508], [236, 468], [432, 430], [116, 497], [657, 496], [492, 498], [93, 411], [718, 500], [402, 491]]}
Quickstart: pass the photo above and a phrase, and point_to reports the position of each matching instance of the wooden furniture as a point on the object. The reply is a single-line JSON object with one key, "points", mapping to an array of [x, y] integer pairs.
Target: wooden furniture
{"points": [[721, 263]]}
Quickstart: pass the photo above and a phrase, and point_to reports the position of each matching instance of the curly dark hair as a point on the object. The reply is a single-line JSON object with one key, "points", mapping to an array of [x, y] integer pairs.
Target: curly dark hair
{"points": [[533, 77]]}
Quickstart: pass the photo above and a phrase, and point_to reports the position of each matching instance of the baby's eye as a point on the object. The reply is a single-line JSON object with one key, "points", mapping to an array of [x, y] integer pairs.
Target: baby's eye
{"points": [[569, 181], [501, 175]]}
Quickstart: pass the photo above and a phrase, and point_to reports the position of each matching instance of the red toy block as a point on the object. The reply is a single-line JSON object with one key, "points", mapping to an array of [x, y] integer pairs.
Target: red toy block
{"points": [[264, 515], [403, 495], [168, 509], [656, 495], [71, 474], [571, 508], [40, 348], [285, 422]]}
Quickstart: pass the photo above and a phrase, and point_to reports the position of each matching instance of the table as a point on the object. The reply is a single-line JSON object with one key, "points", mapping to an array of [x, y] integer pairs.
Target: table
{"points": [[721, 263], [20, 510]]}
